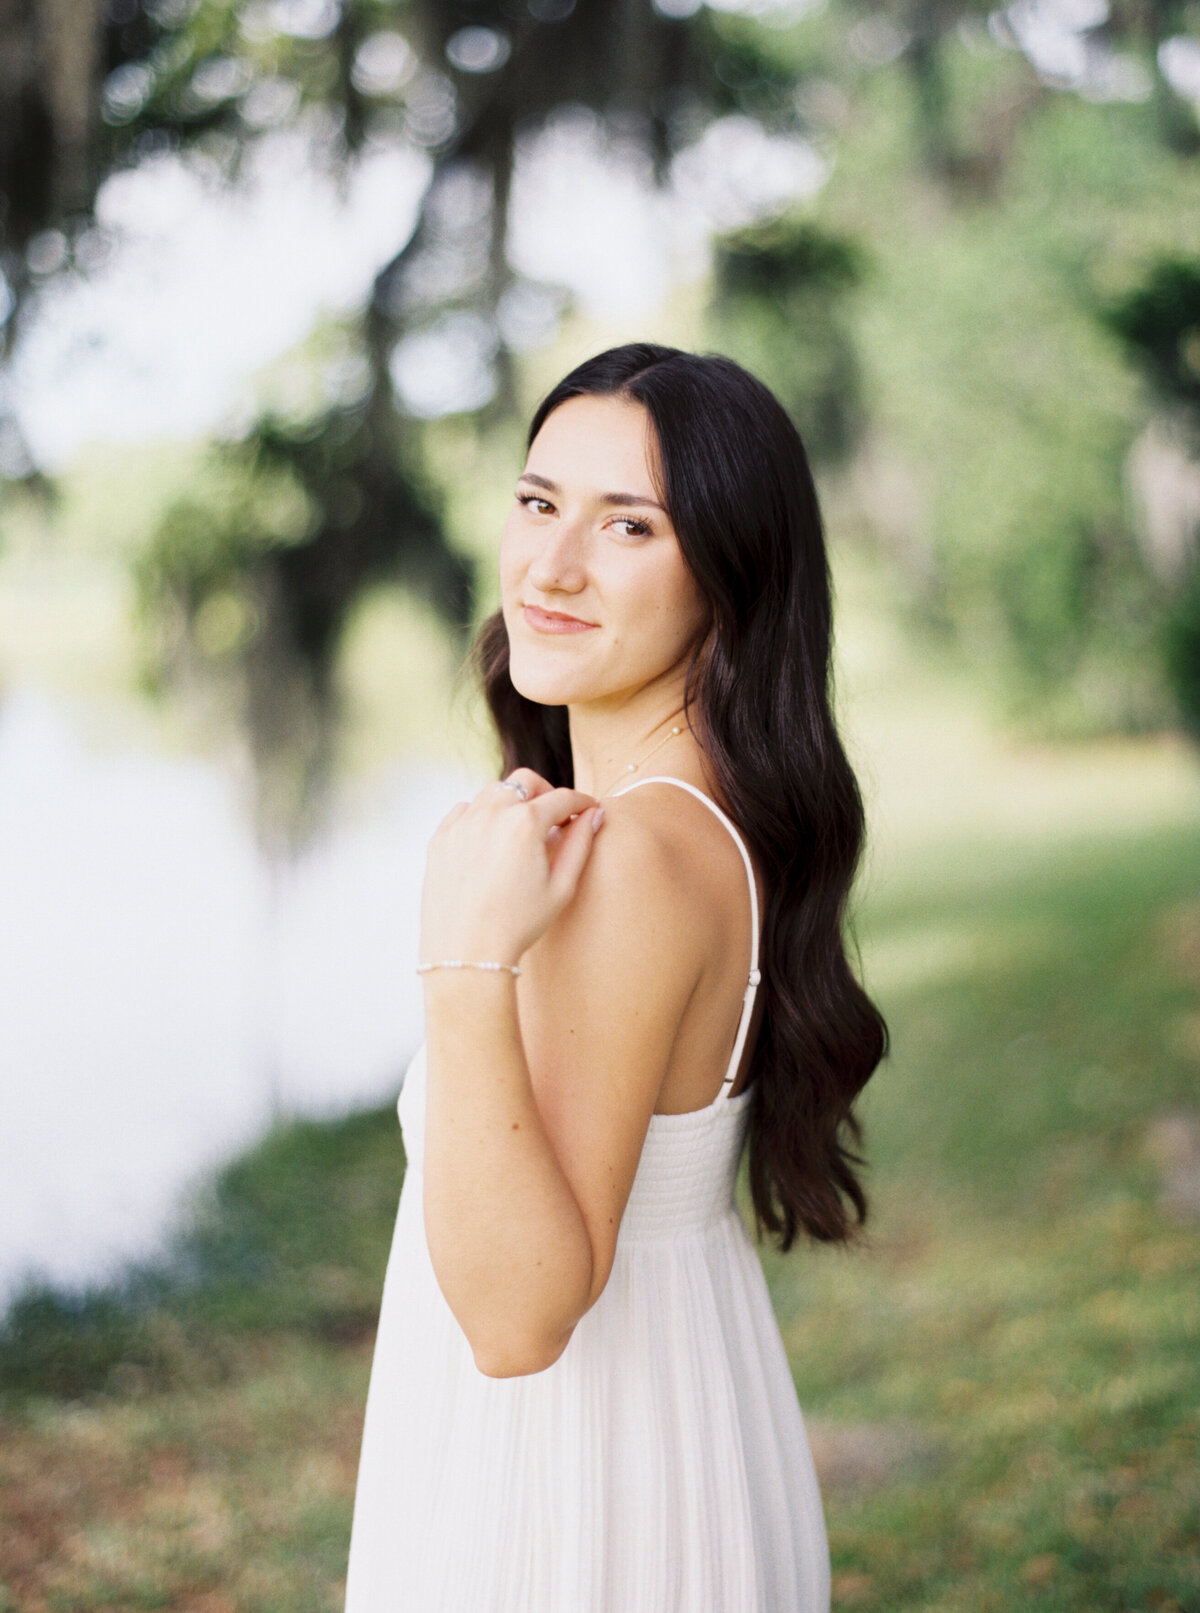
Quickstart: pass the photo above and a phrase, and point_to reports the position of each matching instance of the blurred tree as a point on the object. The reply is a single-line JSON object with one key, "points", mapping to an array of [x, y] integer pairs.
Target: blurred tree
{"points": [[962, 148], [49, 162], [1158, 321], [1149, 25], [49, 117], [920, 34], [777, 293]]}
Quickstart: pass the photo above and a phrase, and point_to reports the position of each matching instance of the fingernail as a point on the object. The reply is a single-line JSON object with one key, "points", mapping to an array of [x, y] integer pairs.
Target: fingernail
{"points": [[597, 818]]}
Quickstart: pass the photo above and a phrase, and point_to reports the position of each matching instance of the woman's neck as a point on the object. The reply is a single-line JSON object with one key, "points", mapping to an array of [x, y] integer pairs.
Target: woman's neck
{"points": [[603, 746]]}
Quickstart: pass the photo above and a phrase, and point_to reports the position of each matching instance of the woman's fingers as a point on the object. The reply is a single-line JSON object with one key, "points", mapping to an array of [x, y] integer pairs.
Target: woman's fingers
{"points": [[555, 806], [504, 867], [533, 782], [571, 853], [551, 804]]}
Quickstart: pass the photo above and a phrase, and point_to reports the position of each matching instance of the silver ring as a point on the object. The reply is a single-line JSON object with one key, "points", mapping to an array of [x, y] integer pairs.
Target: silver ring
{"points": [[512, 784]]}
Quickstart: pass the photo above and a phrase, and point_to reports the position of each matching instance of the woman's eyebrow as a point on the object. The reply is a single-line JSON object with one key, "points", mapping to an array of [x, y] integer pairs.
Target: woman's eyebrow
{"points": [[604, 498]]}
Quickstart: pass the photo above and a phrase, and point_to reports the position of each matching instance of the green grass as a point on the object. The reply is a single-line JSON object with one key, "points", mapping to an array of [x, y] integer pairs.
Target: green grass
{"points": [[1034, 1003], [289, 1238], [1025, 1301]]}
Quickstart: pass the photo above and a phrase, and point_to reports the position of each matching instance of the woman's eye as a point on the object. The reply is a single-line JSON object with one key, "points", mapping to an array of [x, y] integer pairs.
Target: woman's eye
{"points": [[636, 528]]}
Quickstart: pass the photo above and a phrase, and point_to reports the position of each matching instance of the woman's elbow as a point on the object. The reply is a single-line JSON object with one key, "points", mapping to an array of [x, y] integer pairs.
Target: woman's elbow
{"points": [[518, 1358]]}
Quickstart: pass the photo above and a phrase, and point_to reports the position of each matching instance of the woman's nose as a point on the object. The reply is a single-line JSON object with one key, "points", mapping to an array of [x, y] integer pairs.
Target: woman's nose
{"points": [[559, 561]]}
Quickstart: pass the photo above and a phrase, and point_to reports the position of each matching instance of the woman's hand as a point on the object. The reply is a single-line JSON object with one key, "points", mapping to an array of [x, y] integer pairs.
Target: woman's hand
{"points": [[499, 870]]}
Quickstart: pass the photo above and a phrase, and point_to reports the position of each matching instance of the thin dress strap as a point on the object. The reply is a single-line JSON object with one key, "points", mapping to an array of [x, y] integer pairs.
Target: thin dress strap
{"points": [[755, 976]]}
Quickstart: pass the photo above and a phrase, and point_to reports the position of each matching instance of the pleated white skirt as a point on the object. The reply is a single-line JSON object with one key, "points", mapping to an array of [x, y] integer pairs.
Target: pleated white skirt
{"points": [[660, 1465]]}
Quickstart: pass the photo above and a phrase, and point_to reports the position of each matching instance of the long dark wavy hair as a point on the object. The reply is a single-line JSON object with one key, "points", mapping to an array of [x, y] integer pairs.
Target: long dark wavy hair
{"points": [[736, 480]]}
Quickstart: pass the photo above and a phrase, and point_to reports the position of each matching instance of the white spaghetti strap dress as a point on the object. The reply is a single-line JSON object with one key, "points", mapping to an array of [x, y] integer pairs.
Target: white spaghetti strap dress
{"points": [[660, 1465]]}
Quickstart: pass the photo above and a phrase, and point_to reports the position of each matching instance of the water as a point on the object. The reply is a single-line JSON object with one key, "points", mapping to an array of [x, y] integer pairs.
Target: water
{"points": [[157, 1009]]}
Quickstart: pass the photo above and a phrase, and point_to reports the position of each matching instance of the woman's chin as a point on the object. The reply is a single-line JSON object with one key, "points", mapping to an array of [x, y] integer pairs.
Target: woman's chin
{"points": [[546, 685], [544, 691]]}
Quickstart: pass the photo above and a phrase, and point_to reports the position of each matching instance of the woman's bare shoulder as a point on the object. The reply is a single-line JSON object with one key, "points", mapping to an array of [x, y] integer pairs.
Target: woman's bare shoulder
{"points": [[637, 885], [649, 912], [695, 849]]}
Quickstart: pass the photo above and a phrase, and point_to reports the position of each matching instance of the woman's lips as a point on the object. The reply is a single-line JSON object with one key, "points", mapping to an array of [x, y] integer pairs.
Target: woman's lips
{"points": [[543, 622]]}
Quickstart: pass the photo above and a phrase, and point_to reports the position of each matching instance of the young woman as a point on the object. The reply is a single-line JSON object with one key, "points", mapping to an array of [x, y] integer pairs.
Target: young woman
{"points": [[579, 1399]]}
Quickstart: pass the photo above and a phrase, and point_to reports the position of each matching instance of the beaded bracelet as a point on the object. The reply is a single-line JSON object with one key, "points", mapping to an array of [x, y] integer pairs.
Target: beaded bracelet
{"points": [[459, 963]]}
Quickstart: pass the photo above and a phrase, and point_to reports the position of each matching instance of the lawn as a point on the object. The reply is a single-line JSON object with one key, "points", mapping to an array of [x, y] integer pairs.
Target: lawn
{"points": [[1005, 1383]]}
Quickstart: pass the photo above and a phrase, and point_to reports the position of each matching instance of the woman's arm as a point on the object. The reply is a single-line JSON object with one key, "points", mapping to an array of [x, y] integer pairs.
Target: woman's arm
{"points": [[508, 1241], [530, 1155]]}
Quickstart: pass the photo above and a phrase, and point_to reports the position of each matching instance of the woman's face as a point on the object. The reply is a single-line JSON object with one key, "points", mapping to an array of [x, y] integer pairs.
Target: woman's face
{"points": [[587, 538]]}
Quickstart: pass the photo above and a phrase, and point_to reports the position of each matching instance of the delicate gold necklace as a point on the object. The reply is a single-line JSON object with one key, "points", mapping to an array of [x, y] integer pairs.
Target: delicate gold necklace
{"points": [[633, 766]]}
